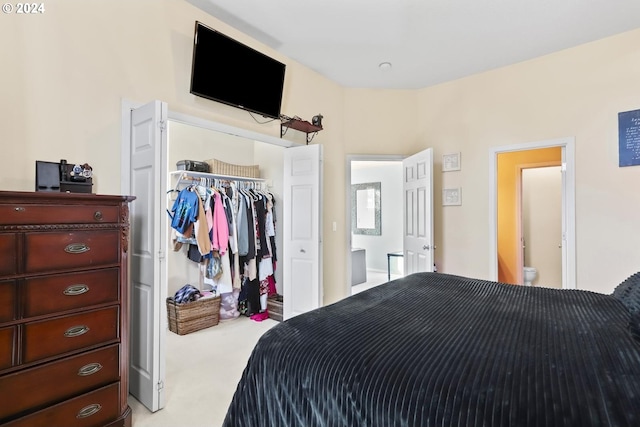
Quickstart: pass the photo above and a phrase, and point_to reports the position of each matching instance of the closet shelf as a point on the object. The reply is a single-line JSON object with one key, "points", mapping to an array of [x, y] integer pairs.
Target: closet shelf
{"points": [[191, 174], [183, 178]]}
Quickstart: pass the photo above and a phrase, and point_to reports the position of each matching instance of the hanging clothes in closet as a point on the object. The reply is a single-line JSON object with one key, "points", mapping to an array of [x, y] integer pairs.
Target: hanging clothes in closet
{"points": [[257, 250], [230, 229]]}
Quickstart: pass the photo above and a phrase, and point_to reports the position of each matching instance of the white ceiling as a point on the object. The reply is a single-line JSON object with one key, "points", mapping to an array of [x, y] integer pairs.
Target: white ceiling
{"points": [[427, 41]]}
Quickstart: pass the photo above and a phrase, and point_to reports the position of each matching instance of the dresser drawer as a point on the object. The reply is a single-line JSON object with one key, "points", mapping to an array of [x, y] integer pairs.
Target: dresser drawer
{"points": [[92, 409], [74, 249], [58, 381], [7, 340], [60, 292], [7, 300], [62, 334], [8, 254], [13, 214]]}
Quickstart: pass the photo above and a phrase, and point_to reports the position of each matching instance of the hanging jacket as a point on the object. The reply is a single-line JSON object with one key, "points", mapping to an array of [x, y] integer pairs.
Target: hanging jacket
{"points": [[241, 225], [201, 231], [184, 211], [220, 240]]}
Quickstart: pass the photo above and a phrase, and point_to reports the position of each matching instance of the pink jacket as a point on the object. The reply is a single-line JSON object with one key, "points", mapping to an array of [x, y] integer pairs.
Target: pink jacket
{"points": [[220, 238]]}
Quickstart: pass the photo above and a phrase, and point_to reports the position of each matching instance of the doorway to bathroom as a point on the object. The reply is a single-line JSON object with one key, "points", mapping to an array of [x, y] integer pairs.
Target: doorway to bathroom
{"points": [[375, 222], [517, 239], [402, 203]]}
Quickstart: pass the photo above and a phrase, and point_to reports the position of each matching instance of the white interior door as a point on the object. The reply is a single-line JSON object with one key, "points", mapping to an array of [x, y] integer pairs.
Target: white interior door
{"points": [[302, 229], [148, 147], [417, 186]]}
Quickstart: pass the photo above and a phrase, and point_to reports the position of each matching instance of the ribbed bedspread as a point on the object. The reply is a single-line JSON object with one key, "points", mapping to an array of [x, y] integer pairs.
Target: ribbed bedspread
{"points": [[439, 350]]}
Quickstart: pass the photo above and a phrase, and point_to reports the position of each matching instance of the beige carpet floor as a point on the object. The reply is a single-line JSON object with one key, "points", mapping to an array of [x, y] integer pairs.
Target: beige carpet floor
{"points": [[202, 371]]}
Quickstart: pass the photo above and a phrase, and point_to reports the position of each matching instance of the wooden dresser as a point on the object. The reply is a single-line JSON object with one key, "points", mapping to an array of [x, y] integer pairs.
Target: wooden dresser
{"points": [[64, 310]]}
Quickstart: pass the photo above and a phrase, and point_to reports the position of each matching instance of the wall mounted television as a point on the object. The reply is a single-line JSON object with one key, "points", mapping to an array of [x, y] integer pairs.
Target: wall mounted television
{"points": [[227, 71]]}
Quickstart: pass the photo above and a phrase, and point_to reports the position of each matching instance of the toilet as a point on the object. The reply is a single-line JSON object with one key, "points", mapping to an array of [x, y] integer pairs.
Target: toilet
{"points": [[530, 274]]}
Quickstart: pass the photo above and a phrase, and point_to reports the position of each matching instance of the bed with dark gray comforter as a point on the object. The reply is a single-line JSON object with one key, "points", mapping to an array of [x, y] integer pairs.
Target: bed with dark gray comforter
{"points": [[440, 350]]}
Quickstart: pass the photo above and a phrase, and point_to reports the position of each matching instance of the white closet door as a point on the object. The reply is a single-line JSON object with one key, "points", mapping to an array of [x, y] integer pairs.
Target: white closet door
{"points": [[302, 230], [148, 218]]}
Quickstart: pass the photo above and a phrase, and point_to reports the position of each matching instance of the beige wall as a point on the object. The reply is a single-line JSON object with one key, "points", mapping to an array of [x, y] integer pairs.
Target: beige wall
{"points": [[65, 73], [574, 93]]}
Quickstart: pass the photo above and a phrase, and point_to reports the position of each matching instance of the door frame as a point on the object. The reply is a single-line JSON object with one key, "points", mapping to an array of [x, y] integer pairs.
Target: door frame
{"points": [[348, 231], [128, 105], [568, 201]]}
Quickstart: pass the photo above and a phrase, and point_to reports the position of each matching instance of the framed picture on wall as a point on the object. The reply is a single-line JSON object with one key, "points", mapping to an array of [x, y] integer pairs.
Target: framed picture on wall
{"points": [[452, 197], [451, 162]]}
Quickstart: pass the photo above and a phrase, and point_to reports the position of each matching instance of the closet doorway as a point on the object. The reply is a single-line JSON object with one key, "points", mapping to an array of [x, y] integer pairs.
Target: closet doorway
{"points": [[145, 167], [186, 141]]}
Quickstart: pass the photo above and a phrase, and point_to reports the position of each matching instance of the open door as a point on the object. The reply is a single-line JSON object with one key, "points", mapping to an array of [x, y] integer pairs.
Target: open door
{"points": [[418, 212], [148, 146], [302, 229]]}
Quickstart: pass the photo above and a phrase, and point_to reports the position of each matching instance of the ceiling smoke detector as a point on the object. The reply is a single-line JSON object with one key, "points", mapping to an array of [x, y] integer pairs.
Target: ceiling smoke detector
{"points": [[385, 66]]}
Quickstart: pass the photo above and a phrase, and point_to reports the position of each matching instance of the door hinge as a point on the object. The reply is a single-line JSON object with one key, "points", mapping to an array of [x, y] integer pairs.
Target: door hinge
{"points": [[563, 167], [160, 385], [162, 124]]}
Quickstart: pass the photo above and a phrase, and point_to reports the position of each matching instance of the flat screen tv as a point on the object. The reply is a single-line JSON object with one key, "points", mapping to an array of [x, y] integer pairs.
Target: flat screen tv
{"points": [[227, 71]]}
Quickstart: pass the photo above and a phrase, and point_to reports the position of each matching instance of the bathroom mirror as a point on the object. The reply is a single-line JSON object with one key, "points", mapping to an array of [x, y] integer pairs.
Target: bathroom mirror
{"points": [[365, 209]]}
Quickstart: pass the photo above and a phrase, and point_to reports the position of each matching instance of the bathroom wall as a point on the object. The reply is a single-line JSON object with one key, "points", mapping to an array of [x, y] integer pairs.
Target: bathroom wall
{"points": [[389, 174], [542, 223]]}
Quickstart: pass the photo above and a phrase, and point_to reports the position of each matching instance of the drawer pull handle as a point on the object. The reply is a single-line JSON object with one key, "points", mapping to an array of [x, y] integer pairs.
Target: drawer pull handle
{"points": [[76, 248], [76, 331], [19, 209], [76, 290], [89, 369], [87, 411], [97, 216]]}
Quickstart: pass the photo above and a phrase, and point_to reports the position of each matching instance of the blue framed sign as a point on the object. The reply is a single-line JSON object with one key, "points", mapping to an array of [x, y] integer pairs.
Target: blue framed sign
{"points": [[629, 138]]}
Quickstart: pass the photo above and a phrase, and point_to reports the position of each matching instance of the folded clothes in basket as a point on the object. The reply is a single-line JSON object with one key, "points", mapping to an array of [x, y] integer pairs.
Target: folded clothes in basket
{"points": [[187, 293], [207, 294]]}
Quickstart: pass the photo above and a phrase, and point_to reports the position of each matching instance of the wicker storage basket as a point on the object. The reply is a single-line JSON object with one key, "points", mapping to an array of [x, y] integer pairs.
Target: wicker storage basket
{"points": [[193, 316], [275, 309], [222, 168]]}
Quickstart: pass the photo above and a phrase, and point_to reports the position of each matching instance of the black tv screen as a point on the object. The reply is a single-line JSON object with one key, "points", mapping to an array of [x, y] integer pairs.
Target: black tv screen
{"points": [[230, 72]]}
